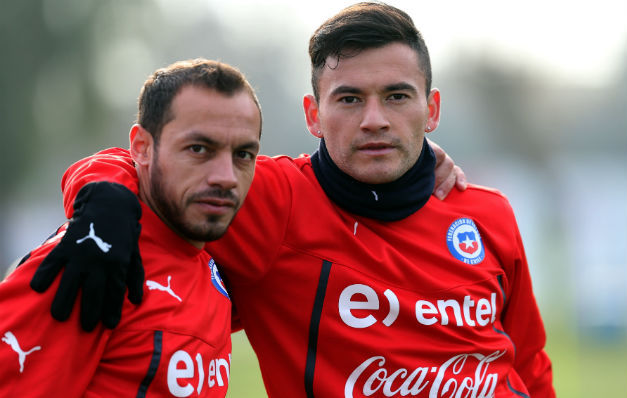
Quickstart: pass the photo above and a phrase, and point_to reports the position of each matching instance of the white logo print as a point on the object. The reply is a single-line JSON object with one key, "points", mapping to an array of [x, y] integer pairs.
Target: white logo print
{"points": [[152, 285], [11, 340], [104, 246], [464, 375]]}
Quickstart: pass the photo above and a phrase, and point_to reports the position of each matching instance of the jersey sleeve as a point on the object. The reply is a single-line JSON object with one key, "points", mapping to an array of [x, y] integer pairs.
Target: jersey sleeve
{"points": [[255, 236], [39, 355], [522, 320], [113, 165]]}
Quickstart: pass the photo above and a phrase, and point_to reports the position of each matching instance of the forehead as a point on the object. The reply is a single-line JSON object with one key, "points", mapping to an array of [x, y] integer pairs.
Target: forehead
{"points": [[387, 65], [209, 111]]}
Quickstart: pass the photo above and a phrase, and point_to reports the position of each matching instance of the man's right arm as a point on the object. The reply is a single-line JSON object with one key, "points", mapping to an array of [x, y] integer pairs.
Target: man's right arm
{"points": [[113, 166]]}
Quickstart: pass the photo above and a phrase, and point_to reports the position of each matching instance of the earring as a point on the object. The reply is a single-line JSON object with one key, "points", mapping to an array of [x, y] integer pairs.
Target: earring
{"points": [[318, 133]]}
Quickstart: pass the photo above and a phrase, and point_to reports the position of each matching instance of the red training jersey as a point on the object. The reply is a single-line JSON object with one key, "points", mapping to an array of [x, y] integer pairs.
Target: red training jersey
{"points": [[438, 304], [175, 344]]}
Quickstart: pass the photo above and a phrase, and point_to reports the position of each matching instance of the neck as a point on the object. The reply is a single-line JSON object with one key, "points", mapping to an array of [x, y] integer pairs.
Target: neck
{"points": [[391, 201]]}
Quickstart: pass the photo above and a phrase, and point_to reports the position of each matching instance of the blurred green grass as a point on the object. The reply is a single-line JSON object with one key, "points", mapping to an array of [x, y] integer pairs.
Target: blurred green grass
{"points": [[583, 367], [245, 380], [587, 366]]}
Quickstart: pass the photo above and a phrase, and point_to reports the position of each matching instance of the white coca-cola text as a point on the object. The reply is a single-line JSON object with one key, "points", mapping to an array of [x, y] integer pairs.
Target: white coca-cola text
{"points": [[464, 375]]}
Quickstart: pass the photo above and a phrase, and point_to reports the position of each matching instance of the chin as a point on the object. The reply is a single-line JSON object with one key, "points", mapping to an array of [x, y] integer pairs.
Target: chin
{"points": [[374, 178]]}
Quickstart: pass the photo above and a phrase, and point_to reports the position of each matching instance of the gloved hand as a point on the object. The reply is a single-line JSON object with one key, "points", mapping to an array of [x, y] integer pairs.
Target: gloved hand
{"points": [[101, 256]]}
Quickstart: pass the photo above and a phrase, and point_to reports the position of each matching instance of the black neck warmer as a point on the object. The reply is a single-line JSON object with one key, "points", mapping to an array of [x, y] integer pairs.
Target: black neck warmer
{"points": [[391, 201]]}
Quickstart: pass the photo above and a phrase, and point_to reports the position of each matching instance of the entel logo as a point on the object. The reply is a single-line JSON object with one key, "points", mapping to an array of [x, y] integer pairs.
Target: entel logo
{"points": [[467, 312], [181, 366]]}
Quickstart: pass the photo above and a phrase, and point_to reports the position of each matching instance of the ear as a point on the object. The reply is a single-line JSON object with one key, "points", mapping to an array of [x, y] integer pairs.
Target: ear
{"points": [[142, 144], [310, 106], [433, 103]]}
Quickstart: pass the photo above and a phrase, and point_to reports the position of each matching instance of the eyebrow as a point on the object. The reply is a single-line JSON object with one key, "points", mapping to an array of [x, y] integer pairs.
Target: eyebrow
{"points": [[196, 136], [401, 86], [345, 90]]}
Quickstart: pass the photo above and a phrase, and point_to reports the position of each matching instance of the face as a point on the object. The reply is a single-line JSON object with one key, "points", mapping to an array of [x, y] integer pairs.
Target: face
{"points": [[202, 167], [373, 112]]}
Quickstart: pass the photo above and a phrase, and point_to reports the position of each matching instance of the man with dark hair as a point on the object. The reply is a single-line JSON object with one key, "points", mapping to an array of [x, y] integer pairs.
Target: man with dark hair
{"points": [[194, 150], [347, 275]]}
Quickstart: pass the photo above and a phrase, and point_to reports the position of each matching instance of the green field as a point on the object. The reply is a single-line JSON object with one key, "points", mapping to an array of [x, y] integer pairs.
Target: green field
{"points": [[582, 368]]}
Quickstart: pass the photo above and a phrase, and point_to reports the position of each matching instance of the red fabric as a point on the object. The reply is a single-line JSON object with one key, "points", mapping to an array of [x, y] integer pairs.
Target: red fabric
{"points": [[113, 363], [400, 314]]}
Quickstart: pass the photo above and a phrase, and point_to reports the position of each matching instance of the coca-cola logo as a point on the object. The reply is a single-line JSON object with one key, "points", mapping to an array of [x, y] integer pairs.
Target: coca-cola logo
{"points": [[464, 375]]}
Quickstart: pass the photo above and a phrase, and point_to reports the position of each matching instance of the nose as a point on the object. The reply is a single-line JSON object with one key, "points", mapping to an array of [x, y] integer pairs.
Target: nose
{"points": [[221, 171], [374, 118]]}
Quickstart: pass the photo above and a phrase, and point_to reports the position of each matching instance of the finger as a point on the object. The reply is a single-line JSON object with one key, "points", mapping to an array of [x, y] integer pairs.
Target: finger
{"points": [[460, 178], [92, 300], [48, 270], [66, 294], [113, 295], [135, 279], [442, 190], [112, 306], [444, 170]]}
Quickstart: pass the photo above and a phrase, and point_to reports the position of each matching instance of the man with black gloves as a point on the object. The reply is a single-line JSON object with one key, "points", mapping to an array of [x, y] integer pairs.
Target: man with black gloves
{"points": [[193, 152], [349, 278]]}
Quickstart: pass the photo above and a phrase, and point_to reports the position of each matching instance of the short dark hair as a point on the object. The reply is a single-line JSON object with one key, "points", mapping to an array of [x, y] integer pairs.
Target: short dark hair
{"points": [[155, 98], [364, 26]]}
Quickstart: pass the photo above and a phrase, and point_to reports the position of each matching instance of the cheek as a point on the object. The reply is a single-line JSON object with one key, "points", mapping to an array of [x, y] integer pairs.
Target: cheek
{"points": [[245, 179], [178, 183]]}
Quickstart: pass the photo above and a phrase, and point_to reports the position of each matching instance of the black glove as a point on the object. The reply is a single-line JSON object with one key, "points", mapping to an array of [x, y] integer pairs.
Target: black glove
{"points": [[100, 253]]}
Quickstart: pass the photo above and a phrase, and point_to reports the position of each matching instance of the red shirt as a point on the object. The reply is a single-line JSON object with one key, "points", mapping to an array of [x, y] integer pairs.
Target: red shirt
{"points": [[437, 304], [176, 343]]}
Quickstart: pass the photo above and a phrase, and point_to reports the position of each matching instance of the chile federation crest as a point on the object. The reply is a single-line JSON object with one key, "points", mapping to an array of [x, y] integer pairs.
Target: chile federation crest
{"points": [[464, 242]]}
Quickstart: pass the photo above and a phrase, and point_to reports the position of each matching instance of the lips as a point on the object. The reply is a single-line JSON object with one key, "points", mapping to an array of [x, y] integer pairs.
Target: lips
{"points": [[215, 206], [376, 148], [221, 202]]}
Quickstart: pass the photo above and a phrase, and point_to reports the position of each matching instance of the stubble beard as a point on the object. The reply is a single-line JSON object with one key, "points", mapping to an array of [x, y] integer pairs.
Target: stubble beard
{"points": [[173, 215]]}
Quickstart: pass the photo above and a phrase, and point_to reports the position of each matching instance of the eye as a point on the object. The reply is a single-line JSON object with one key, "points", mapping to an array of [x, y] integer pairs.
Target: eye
{"points": [[245, 155], [350, 99], [398, 96], [197, 148]]}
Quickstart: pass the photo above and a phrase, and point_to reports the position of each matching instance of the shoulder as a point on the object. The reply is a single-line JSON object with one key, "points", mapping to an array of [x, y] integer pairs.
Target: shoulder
{"points": [[280, 173], [478, 198], [489, 208], [282, 162]]}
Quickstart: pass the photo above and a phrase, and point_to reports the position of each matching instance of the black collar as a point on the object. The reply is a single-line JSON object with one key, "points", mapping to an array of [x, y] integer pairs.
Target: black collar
{"points": [[391, 201]]}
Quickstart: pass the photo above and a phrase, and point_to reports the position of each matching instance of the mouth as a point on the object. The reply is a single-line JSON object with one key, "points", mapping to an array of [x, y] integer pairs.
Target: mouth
{"points": [[376, 148], [215, 205]]}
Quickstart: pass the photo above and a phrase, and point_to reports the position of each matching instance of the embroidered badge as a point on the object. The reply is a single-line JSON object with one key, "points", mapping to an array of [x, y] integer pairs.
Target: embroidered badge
{"points": [[464, 241], [217, 280]]}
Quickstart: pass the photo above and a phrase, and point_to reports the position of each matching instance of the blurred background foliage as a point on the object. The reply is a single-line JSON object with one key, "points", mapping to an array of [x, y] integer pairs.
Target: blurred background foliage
{"points": [[551, 136]]}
